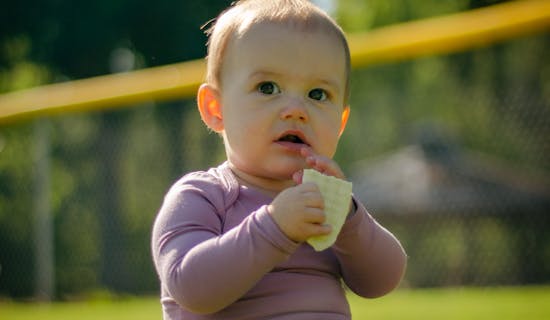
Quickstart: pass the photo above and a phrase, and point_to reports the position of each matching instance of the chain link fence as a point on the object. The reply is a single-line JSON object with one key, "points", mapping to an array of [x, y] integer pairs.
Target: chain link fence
{"points": [[448, 152]]}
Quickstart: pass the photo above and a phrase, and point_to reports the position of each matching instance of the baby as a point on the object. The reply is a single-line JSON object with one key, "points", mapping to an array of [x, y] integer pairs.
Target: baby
{"points": [[230, 242]]}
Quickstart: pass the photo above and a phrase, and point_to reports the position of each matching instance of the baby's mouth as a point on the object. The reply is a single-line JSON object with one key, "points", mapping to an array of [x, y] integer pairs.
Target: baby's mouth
{"points": [[293, 137]]}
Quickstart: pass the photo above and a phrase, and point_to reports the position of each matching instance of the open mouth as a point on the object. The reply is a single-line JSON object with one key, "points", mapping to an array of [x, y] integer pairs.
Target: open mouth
{"points": [[293, 137]]}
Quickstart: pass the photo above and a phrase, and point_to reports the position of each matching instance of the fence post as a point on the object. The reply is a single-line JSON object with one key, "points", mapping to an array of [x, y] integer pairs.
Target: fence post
{"points": [[43, 222]]}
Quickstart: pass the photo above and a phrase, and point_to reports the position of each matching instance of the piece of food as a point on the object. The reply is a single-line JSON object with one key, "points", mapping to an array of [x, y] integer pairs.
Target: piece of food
{"points": [[337, 196]]}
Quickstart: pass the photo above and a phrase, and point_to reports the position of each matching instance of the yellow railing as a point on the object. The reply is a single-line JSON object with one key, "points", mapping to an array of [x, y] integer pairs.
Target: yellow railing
{"points": [[438, 35]]}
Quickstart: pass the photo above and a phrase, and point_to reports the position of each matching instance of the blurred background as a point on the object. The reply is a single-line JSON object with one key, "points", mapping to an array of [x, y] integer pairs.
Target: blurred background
{"points": [[450, 151]]}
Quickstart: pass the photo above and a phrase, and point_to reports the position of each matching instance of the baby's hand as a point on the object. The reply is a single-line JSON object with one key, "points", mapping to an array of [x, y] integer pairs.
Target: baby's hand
{"points": [[299, 212], [324, 165]]}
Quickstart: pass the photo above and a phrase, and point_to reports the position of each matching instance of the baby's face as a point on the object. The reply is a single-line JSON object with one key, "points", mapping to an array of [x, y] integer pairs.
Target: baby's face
{"points": [[282, 89]]}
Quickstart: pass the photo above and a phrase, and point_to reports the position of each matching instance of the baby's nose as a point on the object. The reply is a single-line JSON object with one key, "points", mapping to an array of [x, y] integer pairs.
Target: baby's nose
{"points": [[295, 110]]}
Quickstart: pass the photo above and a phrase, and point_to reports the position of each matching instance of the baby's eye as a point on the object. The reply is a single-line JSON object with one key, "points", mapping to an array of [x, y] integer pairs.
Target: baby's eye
{"points": [[318, 94], [268, 87]]}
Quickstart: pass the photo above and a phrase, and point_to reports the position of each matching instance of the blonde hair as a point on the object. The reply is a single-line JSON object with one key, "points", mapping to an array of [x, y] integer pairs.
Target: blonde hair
{"points": [[238, 18]]}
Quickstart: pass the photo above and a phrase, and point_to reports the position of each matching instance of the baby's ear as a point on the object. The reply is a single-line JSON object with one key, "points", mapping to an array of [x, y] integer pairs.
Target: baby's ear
{"points": [[345, 117], [208, 101]]}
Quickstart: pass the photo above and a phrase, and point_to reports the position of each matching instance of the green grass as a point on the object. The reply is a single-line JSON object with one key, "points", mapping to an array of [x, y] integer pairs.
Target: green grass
{"points": [[520, 303], [458, 303]]}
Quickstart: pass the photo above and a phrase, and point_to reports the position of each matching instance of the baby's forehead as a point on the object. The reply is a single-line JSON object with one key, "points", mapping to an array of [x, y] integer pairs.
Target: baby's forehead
{"points": [[281, 50], [266, 31]]}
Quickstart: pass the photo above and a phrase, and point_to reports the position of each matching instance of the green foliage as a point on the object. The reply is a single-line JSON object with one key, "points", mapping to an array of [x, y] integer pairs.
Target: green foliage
{"points": [[15, 204], [484, 99], [108, 171], [360, 15], [19, 72]]}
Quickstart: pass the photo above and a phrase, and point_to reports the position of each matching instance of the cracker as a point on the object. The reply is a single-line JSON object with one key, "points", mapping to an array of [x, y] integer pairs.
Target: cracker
{"points": [[337, 196]]}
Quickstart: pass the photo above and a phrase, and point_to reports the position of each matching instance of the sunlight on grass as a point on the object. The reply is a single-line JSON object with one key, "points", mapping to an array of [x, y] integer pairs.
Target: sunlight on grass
{"points": [[145, 308], [457, 303], [454, 303]]}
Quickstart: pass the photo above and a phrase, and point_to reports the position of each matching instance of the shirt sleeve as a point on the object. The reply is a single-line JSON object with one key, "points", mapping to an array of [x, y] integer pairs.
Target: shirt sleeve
{"points": [[372, 260], [202, 269]]}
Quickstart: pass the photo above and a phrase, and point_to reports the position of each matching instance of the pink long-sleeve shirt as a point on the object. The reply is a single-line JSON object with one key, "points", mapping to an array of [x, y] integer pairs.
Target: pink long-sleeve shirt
{"points": [[220, 255]]}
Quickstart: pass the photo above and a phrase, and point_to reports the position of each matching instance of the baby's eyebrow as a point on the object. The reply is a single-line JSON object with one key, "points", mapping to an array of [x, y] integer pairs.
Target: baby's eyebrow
{"points": [[264, 74], [332, 83]]}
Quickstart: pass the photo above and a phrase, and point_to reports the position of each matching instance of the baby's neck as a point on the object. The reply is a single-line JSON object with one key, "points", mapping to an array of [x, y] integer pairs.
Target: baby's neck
{"points": [[268, 186]]}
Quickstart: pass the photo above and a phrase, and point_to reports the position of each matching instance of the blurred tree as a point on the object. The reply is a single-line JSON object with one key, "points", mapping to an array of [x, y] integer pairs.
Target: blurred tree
{"points": [[76, 38], [53, 40], [392, 99]]}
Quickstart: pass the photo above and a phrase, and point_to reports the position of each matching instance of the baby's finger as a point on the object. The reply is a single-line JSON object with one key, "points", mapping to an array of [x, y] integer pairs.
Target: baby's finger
{"points": [[322, 164], [318, 229], [314, 215]]}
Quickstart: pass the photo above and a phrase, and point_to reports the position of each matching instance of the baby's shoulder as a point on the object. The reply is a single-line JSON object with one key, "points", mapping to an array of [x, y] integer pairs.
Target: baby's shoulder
{"points": [[215, 185], [202, 182]]}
